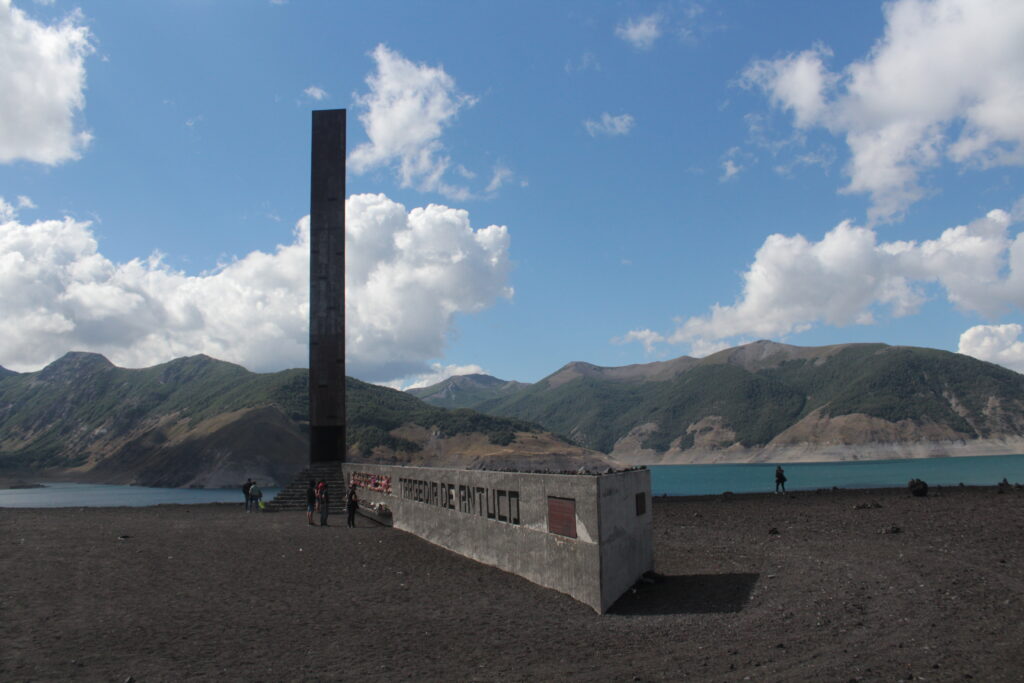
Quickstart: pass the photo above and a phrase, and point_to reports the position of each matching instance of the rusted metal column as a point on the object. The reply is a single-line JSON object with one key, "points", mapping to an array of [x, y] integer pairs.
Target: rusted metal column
{"points": [[327, 288]]}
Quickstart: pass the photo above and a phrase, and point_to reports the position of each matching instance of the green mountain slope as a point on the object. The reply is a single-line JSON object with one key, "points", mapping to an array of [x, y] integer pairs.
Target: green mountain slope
{"points": [[198, 421], [760, 393], [81, 410], [463, 391], [373, 412]]}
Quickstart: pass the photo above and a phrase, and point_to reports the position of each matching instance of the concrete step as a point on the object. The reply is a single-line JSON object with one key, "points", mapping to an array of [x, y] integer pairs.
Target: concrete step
{"points": [[293, 496]]}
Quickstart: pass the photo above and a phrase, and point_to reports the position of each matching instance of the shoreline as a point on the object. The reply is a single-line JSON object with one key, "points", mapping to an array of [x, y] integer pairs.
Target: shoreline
{"points": [[832, 453]]}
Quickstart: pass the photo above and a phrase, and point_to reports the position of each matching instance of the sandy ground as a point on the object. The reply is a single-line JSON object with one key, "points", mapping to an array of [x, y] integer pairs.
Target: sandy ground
{"points": [[208, 592]]}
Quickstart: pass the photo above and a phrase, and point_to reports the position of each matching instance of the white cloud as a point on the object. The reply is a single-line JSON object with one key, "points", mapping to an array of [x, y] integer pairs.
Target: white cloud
{"points": [[7, 211], [641, 33], [848, 277], [609, 125], [731, 167], [798, 83], [729, 170], [824, 157], [996, 344], [646, 337], [941, 84], [317, 93], [438, 373], [405, 112], [501, 175], [25, 202], [38, 123], [409, 273], [705, 347]]}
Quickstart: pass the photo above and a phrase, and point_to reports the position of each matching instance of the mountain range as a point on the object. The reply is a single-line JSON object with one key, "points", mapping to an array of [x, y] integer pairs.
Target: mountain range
{"points": [[768, 401], [202, 422], [198, 421]]}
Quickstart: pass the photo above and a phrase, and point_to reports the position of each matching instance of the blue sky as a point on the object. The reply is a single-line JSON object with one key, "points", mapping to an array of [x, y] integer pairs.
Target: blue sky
{"points": [[531, 183]]}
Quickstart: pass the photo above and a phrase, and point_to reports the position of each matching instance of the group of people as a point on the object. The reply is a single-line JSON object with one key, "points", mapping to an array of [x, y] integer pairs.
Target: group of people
{"points": [[318, 498], [253, 496]]}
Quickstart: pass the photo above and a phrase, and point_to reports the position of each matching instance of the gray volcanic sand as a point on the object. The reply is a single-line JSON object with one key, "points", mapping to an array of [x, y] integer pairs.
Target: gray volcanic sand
{"points": [[208, 592]]}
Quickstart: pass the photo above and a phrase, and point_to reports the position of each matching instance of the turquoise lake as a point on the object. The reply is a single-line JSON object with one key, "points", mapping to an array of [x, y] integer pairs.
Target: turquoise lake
{"points": [[102, 495], [700, 480], [672, 480]]}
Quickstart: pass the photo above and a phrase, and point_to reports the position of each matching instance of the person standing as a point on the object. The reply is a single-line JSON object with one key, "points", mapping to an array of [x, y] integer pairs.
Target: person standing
{"points": [[246, 487], [351, 506], [255, 498], [780, 479], [325, 502], [310, 501]]}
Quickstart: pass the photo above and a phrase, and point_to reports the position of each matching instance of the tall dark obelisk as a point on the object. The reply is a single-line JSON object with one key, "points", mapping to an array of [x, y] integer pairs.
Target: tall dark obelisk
{"points": [[327, 288]]}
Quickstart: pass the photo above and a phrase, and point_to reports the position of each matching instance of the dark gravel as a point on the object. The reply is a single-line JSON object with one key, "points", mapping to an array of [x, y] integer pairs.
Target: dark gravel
{"points": [[855, 585]]}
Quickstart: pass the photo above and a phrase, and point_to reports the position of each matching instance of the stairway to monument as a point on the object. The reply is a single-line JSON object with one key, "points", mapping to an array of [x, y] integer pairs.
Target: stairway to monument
{"points": [[293, 496]]}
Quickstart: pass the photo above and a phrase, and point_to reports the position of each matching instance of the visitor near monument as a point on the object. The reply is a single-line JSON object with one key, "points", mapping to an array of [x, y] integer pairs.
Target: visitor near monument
{"points": [[245, 493], [325, 501], [352, 506], [310, 501], [255, 498]]}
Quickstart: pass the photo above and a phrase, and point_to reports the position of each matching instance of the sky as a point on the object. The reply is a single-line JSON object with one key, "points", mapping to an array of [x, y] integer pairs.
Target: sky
{"points": [[529, 183]]}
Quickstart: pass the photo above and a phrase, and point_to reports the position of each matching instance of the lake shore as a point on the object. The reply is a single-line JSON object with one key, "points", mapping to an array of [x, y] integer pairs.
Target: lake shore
{"points": [[808, 452], [851, 585]]}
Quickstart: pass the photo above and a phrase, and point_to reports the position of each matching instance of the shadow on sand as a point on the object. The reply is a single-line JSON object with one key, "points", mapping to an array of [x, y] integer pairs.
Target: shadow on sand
{"points": [[693, 594]]}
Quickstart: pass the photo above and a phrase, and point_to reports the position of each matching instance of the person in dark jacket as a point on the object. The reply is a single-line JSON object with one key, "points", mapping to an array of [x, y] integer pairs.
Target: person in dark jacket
{"points": [[310, 502], [245, 492], [325, 502], [780, 479], [351, 506], [255, 498]]}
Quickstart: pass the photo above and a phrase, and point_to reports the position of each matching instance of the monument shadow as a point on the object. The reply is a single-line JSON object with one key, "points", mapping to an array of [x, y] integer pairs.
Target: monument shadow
{"points": [[690, 594]]}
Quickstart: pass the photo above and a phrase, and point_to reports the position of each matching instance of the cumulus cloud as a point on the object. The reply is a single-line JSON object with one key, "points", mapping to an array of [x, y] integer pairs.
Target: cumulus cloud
{"points": [[8, 212], [42, 78], [848, 277], [641, 33], [941, 84], [799, 83], [409, 273], [609, 125], [996, 344], [316, 92], [407, 109]]}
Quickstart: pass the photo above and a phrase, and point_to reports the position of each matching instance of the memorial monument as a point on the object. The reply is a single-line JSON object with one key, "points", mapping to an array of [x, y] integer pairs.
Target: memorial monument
{"points": [[327, 288]]}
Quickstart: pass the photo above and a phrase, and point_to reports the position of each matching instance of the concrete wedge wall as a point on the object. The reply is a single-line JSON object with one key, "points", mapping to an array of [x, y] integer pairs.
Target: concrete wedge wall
{"points": [[578, 534]]}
